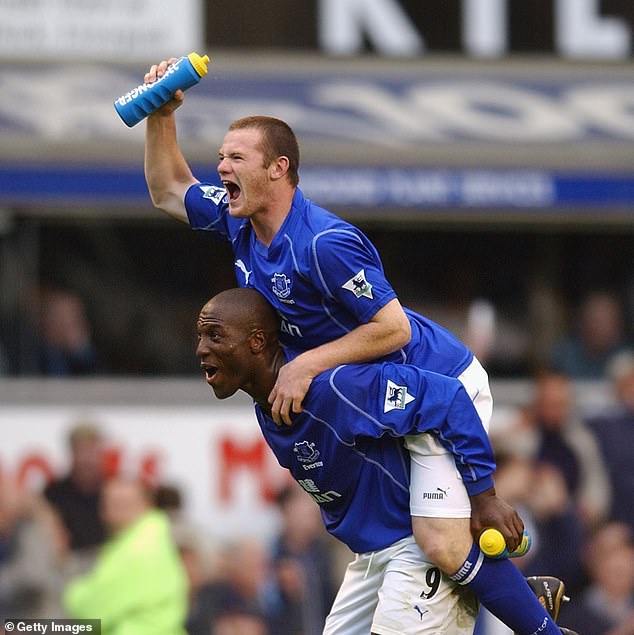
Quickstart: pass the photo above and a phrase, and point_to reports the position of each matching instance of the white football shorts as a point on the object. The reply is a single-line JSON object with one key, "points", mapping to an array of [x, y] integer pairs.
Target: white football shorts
{"points": [[436, 488], [395, 592]]}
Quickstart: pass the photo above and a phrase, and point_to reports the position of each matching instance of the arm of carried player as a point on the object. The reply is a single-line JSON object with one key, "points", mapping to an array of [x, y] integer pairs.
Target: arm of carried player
{"points": [[460, 430], [167, 173], [400, 400], [387, 331], [406, 400], [446, 410]]}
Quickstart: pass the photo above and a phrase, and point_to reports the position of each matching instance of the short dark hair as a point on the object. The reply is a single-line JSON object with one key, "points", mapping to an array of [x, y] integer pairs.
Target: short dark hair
{"points": [[278, 139], [249, 310]]}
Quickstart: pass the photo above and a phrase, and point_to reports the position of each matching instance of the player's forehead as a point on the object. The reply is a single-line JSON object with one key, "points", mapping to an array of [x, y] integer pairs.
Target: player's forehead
{"points": [[243, 139], [210, 315], [220, 316]]}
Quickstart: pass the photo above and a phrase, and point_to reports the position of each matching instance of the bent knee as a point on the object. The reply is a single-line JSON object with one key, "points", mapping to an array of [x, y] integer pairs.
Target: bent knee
{"points": [[446, 542]]}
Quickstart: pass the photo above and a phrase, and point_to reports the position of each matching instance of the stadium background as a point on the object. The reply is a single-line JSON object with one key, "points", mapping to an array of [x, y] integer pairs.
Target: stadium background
{"points": [[485, 146]]}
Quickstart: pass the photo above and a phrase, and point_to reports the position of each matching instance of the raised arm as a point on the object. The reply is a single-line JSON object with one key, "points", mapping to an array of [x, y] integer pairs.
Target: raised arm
{"points": [[166, 172]]}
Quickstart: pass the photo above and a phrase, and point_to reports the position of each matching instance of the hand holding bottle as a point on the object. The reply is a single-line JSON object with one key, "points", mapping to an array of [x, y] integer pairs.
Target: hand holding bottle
{"points": [[493, 545]]}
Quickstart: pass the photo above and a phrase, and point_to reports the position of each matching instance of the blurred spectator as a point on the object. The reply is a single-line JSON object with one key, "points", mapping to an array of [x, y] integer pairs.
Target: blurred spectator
{"points": [[555, 476], [539, 493], [138, 585], [75, 496], [169, 498], [243, 623], [558, 531], [303, 565], [201, 567], [198, 554], [606, 607], [615, 433], [598, 336], [481, 328], [546, 321], [498, 338], [565, 442], [66, 346], [242, 588], [33, 545]]}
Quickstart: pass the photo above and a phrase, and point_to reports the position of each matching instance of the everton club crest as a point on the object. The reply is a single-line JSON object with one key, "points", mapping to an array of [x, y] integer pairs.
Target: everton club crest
{"points": [[281, 285]]}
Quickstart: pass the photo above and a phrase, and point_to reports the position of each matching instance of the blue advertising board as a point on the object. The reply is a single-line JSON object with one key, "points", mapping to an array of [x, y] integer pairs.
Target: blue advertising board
{"points": [[350, 187], [408, 137]]}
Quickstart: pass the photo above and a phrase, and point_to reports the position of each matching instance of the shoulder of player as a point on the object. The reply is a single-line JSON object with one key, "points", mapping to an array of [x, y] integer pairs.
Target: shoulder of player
{"points": [[207, 207], [347, 383], [318, 223], [210, 192], [322, 388], [341, 398], [356, 382]]}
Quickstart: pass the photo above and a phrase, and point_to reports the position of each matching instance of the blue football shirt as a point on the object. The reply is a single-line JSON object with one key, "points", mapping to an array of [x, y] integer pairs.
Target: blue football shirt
{"points": [[322, 275], [346, 448]]}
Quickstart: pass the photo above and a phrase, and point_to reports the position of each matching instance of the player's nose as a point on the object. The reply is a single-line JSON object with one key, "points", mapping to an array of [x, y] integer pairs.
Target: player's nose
{"points": [[201, 348], [224, 167]]}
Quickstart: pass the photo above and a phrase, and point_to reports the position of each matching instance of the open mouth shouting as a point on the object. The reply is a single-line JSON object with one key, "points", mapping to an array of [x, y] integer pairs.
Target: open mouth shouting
{"points": [[233, 190], [210, 372]]}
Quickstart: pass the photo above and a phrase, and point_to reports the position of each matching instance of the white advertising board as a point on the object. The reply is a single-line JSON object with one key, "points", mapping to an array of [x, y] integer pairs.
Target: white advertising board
{"points": [[215, 455], [144, 30]]}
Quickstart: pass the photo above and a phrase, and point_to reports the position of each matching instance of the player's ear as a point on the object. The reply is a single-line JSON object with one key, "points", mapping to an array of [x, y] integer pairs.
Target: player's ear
{"points": [[257, 341], [279, 168]]}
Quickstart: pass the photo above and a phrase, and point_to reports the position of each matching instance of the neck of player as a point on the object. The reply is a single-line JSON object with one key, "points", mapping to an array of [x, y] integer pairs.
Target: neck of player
{"points": [[263, 380], [267, 223]]}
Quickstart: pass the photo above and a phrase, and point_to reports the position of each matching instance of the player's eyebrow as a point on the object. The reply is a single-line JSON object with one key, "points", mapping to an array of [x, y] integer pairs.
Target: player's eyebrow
{"points": [[209, 321]]}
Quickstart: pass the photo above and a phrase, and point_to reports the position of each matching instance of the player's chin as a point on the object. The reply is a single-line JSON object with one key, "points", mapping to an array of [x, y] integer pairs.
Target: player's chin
{"points": [[223, 392], [237, 209]]}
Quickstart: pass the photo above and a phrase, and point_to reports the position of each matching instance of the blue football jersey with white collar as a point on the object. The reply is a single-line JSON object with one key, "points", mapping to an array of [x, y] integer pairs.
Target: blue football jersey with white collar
{"points": [[322, 275], [346, 448]]}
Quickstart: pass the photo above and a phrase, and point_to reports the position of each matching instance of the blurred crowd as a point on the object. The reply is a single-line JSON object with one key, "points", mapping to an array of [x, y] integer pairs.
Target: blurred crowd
{"points": [[93, 544], [571, 476], [58, 333]]}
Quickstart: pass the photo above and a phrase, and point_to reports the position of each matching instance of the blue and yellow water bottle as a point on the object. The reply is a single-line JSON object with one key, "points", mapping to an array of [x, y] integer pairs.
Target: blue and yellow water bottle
{"points": [[141, 101]]}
